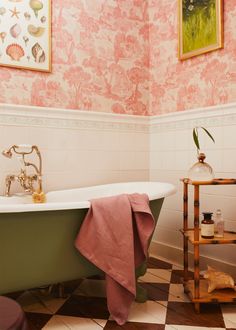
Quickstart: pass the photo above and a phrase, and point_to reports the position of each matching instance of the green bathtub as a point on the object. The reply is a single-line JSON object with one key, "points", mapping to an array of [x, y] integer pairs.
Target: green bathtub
{"points": [[37, 243]]}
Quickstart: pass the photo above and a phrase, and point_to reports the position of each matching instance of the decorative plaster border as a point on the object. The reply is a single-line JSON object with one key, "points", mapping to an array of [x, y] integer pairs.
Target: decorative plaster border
{"points": [[219, 115], [18, 115]]}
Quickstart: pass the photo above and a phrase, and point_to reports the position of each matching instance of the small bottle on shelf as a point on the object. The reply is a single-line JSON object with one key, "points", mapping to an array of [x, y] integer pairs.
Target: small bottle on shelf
{"points": [[207, 225], [219, 224]]}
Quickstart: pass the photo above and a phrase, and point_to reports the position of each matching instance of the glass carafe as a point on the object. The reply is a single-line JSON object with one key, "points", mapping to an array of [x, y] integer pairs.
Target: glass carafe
{"points": [[201, 171]]}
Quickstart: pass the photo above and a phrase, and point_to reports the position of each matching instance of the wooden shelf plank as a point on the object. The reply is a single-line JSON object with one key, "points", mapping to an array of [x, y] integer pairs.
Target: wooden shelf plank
{"points": [[222, 295], [216, 181], [229, 238]]}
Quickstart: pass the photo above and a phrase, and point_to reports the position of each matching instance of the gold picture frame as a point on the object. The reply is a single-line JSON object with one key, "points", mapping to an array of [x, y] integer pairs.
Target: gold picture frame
{"points": [[200, 27], [25, 34]]}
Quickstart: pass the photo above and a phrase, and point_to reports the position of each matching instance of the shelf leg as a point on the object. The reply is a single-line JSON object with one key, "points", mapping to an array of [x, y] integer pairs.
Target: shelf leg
{"points": [[185, 227], [197, 307], [185, 259], [196, 246]]}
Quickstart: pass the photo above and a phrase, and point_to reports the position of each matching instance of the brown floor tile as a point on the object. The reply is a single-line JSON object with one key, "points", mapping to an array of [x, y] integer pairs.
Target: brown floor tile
{"points": [[181, 313], [156, 291], [83, 306], [70, 286], [13, 295], [157, 263], [37, 321], [112, 325], [178, 275]]}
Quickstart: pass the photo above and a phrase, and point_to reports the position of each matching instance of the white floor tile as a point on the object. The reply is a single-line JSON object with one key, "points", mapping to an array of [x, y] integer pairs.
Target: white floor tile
{"points": [[229, 314], [58, 322], [156, 276], [148, 312], [177, 267], [164, 274], [33, 301], [55, 323], [101, 322], [188, 327], [170, 327], [176, 293], [30, 303]]}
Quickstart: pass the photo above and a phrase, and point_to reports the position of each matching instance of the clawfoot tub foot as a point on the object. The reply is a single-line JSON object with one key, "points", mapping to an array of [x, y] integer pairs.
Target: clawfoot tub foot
{"points": [[55, 290], [141, 293]]}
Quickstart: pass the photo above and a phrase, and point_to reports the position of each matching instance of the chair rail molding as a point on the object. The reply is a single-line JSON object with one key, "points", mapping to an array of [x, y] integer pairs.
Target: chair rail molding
{"points": [[218, 115], [20, 115]]}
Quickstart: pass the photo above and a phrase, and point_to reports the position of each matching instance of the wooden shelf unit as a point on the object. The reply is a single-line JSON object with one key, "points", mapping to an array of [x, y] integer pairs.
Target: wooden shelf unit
{"points": [[223, 295], [197, 288], [229, 238]]}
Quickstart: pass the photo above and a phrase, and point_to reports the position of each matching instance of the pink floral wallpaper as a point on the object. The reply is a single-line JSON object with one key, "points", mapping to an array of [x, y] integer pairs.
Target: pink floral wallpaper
{"points": [[121, 56], [100, 60], [201, 81]]}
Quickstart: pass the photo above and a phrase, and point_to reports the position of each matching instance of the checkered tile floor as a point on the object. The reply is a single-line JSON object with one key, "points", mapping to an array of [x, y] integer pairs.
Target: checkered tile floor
{"points": [[85, 307]]}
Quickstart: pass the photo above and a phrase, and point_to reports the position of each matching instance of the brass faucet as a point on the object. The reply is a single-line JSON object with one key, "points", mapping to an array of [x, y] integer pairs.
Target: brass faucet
{"points": [[26, 181]]}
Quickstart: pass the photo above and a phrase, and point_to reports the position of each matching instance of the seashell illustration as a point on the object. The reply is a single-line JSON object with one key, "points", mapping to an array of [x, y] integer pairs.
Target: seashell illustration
{"points": [[3, 36], [15, 30], [27, 16], [36, 5], [15, 52], [43, 19], [26, 40], [36, 31], [2, 10], [38, 53]]}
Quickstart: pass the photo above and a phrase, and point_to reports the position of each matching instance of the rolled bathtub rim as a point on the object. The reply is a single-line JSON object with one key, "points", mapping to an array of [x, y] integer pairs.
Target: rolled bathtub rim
{"points": [[23, 203]]}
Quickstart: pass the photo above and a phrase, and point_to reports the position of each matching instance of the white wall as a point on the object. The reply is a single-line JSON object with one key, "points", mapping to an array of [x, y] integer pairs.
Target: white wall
{"points": [[172, 153], [78, 148]]}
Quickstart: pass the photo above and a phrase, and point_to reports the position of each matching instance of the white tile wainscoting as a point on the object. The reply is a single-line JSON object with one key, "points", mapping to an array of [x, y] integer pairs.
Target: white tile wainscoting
{"points": [[79, 148], [82, 148], [172, 153]]}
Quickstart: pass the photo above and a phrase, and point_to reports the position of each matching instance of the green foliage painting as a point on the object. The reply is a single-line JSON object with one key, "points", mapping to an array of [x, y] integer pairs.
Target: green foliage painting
{"points": [[200, 26]]}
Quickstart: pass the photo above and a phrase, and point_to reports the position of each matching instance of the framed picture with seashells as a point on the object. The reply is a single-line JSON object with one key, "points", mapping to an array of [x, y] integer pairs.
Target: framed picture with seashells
{"points": [[25, 34], [200, 27]]}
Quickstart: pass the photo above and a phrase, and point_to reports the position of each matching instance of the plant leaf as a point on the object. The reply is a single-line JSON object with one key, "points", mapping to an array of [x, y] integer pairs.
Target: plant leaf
{"points": [[210, 136], [195, 138]]}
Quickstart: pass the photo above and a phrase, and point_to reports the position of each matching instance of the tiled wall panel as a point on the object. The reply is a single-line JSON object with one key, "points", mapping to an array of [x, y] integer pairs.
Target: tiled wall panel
{"points": [[172, 152], [78, 149]]}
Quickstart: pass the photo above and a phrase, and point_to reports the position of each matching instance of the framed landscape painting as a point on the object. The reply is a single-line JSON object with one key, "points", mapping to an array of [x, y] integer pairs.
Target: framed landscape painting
{"points": [[25, 34], [200, 27]]}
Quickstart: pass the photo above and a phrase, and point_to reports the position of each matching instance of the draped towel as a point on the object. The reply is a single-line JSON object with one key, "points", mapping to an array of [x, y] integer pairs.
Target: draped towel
{"points": [[115, 236]]}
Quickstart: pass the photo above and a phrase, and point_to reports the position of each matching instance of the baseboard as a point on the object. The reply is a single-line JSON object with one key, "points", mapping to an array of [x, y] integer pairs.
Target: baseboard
{"points": [[174, 255]]}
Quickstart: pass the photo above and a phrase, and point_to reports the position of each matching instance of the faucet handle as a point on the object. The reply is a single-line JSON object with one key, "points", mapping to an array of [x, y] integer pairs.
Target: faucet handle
{"points": [[10, 177], [8, 180]]}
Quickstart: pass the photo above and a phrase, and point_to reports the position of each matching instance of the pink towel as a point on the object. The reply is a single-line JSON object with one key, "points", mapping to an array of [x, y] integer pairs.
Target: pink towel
{"points": [[114, 236]]}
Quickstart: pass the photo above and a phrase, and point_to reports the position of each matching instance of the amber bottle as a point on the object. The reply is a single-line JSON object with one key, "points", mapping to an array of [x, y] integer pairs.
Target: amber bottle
{"points": [[207, 225]]}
